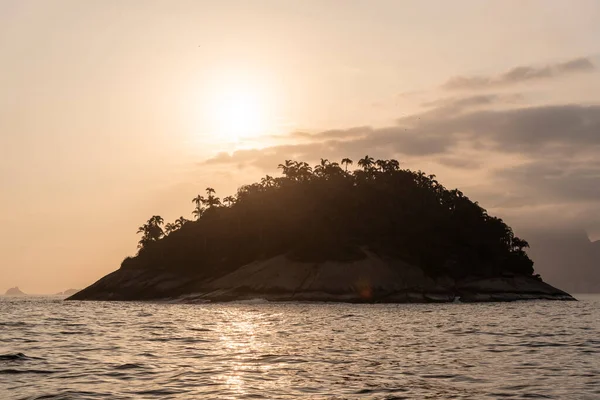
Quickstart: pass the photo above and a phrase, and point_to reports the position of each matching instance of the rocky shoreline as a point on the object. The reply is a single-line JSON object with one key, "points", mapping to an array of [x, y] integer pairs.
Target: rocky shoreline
{"points": [[369, 280]]}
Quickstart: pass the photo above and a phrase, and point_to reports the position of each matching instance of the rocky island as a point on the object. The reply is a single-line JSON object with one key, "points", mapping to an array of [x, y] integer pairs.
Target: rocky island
{"points": [[376, 234], [14, 292]]}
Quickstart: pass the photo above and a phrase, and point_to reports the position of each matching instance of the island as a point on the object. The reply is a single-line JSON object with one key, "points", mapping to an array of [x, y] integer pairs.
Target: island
{"points": [[376, 234], [68, 292], [14, 292]]}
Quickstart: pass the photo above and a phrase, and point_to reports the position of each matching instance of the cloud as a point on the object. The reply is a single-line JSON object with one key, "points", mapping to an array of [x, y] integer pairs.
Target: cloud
{"points": [[555, 180], [458, 162], [519, 75], [557, 129], [458, 104]]}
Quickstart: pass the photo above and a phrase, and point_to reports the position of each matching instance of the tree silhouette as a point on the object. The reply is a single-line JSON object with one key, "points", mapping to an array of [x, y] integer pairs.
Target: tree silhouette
{"points": [[170, 228], [180, 222], [230, 200], [366, 163], [211, 200], [346, 162], [199, 201], [328, 213], [151, 231], [267, 181]]}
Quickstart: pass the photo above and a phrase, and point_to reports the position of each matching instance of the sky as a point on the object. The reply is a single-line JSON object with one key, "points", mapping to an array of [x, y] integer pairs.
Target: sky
{"points": [[113, 111]]}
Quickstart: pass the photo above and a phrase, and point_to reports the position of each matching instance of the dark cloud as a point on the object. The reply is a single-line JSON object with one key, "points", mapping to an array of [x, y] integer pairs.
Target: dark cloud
{"points": [[458, 162], [555, 180], [559, 130], [519, 75], [529, 129], [458, 104], [461, 102]]}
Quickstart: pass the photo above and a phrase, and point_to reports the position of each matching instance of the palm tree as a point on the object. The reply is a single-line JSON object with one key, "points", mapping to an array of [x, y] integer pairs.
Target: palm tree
{"points": [[197, 213], [151, 231], [170, 228], [212, 200], [366, 163], [156, 220], [199, 201], [181, 222], [346, 161], [288, 168], [393, 165], [381, 164], [321, 168], [267, 181], [229, 200], [303, 171]]}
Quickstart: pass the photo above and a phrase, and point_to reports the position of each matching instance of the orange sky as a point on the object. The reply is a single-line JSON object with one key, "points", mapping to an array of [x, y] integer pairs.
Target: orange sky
{"points": [[113, 111]]}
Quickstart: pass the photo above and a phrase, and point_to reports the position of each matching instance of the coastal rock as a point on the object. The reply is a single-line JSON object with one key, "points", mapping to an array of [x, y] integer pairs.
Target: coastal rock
{"points": [[370, 280]]}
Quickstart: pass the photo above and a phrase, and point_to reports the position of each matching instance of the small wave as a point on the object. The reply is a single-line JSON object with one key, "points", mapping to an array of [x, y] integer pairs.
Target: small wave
{"points": [[129, 366], [144, 314], [24, 371], [12, 357], [16, 357], [18, 323], [159, 392], [251, 301]]}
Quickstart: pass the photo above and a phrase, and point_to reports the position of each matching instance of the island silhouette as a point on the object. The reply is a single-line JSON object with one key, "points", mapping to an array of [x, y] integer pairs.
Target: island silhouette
{"points": [[68, 292], [15, 291], [379, 233]]}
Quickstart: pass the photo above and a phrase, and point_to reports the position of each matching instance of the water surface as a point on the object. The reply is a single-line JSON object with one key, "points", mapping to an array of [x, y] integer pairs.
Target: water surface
{"points": [[51, 349]]}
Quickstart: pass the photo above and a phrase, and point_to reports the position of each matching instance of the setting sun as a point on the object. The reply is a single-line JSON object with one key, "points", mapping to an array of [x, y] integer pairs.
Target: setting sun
{"points": [[237, 113], [238, 105]]}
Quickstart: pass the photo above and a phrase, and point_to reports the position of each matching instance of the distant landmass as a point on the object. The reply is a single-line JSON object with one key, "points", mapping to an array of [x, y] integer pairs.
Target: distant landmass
{"points": [[68, 292], [14, 292], [567, 257], [376, 234]]}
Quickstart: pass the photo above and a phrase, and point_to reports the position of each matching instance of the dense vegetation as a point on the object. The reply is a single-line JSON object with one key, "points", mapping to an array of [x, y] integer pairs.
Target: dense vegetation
{"points": [[330, 213]]}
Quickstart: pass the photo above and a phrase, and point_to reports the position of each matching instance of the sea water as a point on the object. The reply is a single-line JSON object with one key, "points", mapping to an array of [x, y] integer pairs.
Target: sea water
{"points": [[55, 349]]}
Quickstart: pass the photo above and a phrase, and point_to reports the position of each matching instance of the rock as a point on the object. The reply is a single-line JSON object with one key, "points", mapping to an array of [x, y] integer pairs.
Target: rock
{"points": [[508, 289], [14, 292], [372, 279]]}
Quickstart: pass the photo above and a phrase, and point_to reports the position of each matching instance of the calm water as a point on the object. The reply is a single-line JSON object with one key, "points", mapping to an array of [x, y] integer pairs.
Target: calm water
{"points": [[53, 349]]}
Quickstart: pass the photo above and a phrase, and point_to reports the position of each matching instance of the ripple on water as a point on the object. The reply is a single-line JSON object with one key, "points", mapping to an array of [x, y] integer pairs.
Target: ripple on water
{"points": [[64, 350]]}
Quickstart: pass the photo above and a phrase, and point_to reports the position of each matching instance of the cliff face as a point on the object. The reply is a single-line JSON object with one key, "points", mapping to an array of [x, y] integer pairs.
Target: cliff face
{"points": [[372, 279]]}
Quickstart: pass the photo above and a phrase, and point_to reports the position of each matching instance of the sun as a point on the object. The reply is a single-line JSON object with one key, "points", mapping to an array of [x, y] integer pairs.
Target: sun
{"points": [[239, 112], [236, 108]]}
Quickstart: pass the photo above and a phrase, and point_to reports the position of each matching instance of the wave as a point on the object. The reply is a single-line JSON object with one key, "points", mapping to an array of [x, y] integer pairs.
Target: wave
{"points": [[24, 371], [129, 366], [14, 357]]}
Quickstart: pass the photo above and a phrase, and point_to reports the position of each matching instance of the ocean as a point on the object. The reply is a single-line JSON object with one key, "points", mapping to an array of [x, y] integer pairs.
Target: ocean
{"points": [[55, 349]]}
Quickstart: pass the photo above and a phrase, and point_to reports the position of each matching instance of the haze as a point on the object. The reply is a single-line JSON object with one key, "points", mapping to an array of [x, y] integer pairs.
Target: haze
{"points": [[112, 111]]}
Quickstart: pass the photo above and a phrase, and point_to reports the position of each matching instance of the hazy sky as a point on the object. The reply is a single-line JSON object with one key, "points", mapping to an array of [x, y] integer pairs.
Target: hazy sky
{"points": [[112, 111]]}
